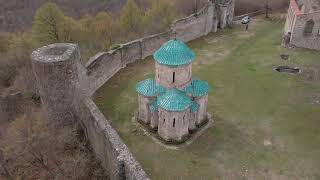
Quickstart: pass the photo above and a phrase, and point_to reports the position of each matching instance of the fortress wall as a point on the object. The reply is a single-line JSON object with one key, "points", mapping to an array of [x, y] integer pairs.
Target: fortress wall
{"points": [[108, 147], [101, 67], [102, 137], [131, 51], [152, 43], [194, 26]]}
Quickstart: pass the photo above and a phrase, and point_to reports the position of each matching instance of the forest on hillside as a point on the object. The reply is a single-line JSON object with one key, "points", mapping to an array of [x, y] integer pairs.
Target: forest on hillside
{"points": [[17, 15]]}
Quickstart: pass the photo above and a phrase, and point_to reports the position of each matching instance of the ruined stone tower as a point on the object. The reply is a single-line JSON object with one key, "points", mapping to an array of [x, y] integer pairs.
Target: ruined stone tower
{"points": [[55, 68], [174, 104]]}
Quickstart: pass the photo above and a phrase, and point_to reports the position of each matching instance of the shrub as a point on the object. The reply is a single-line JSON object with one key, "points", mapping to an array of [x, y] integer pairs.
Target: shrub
{"points": [[131, 19], [160, 15], [18, 56], [33, 151], [45, 27]]}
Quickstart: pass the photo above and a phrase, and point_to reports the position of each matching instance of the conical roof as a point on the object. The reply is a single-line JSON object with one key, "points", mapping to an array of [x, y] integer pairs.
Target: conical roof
{"points": [[149, 88], [174, 53], [174, 100], [197, 88]]}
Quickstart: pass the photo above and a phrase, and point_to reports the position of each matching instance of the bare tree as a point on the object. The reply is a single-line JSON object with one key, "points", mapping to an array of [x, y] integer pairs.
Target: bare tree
{"points": [[33, 151]]}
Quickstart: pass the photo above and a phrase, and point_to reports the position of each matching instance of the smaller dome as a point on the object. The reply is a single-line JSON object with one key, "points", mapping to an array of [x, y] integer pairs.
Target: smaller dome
{"points": [[174, 53], [195, 107], [149, 88], [197, 88], [174, 100]]}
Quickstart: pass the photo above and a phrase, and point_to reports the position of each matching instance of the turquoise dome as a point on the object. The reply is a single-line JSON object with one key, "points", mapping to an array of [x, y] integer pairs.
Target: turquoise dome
{"points": [[149, 88], [174, 53], [197, 88], [174, 100]]}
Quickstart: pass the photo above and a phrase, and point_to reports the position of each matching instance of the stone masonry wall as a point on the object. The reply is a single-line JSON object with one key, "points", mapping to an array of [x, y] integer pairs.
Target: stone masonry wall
{"points": [[108, 146], [299, 39], [102, 138], [101, 67], [182, 75], [202, 113], [144, 108], [173, 125], [151, 43], [196, 25]]}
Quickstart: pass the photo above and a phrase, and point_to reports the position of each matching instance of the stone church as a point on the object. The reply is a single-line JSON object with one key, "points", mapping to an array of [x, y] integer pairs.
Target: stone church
{"points": [[302, 28], [173, 103]]}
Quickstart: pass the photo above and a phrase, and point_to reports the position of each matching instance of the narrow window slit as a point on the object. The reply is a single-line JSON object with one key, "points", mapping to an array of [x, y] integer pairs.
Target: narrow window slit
{"points": [[173, 77]]}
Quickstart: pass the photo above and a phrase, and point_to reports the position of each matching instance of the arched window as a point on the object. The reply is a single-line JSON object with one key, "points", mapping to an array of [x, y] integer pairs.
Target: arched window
{"points": [[174, 122], [309, 27], [164, 120]]}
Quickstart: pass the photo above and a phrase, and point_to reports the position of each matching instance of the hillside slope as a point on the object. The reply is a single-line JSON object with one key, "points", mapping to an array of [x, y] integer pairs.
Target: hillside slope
{"points": [[17, 15]]}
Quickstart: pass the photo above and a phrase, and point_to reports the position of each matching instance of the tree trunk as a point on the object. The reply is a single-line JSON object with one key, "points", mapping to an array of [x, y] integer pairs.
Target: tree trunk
{"points": [[267, 9]]}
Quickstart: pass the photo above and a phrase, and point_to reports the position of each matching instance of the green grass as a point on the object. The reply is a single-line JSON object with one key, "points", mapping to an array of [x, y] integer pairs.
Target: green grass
{"points": [[250, 102]]}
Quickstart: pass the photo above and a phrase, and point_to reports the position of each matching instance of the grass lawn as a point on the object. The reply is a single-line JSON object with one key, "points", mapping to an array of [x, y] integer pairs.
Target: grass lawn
{"points": [[267, 124]]}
